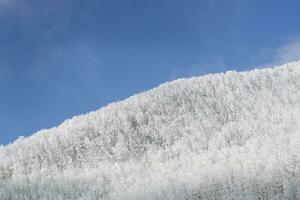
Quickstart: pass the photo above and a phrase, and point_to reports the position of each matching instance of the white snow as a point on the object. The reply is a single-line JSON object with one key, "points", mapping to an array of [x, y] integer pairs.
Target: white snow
{"points": [[219, 136]]}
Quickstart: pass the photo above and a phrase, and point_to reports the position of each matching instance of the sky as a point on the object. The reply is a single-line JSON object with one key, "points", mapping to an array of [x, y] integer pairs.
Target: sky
{"points": [[63, 58]]}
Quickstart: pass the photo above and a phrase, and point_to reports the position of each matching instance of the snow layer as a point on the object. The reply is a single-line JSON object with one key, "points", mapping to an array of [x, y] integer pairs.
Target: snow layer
{"points": [[219, 136]]}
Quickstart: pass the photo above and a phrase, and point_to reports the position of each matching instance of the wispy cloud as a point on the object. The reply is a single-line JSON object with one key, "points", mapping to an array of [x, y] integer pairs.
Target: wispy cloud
{"points": [[6, 5], [203, 67], [287, 51], [79, 62], [290, 51], [5, 2], [56, 56]]}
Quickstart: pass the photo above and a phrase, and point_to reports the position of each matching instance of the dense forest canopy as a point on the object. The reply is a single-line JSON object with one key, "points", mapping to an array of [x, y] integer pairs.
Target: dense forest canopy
{"points": [[219, 136]]}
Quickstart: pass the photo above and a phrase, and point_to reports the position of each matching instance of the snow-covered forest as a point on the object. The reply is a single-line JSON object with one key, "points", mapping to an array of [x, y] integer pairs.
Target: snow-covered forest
{"points": [[220, 136]]}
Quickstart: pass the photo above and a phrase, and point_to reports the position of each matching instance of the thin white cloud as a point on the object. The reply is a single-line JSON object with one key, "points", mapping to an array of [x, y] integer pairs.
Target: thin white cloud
{"points": [[6, 4], [201, 68], [288, 52], [63, 65]]}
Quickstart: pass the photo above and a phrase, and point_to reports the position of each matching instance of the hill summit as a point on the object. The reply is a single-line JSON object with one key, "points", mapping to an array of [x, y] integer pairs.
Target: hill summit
{"points": [[233, 135]]}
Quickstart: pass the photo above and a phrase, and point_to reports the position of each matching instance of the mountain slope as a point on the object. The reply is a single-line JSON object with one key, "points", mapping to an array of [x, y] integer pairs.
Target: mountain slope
{"points": [[221, 136]]}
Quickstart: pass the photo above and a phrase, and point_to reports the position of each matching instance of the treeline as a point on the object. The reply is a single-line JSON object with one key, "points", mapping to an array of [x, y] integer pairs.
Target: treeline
{"points": [[221, 136]]}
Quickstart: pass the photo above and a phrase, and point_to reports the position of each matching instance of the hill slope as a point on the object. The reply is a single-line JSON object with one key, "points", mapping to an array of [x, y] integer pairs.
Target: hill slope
{"points": [[221, 136]]}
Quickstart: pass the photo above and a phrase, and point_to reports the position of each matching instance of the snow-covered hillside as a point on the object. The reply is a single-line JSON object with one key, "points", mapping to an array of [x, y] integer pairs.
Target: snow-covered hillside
{"points": [[220, 136]]}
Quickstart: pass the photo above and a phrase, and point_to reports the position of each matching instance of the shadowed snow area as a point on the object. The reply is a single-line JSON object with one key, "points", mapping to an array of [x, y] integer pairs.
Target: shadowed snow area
{"points": [[220, 136]]}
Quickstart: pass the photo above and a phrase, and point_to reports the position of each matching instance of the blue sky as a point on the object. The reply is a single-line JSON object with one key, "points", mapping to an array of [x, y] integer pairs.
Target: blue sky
{"points": [[63, 58]]}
